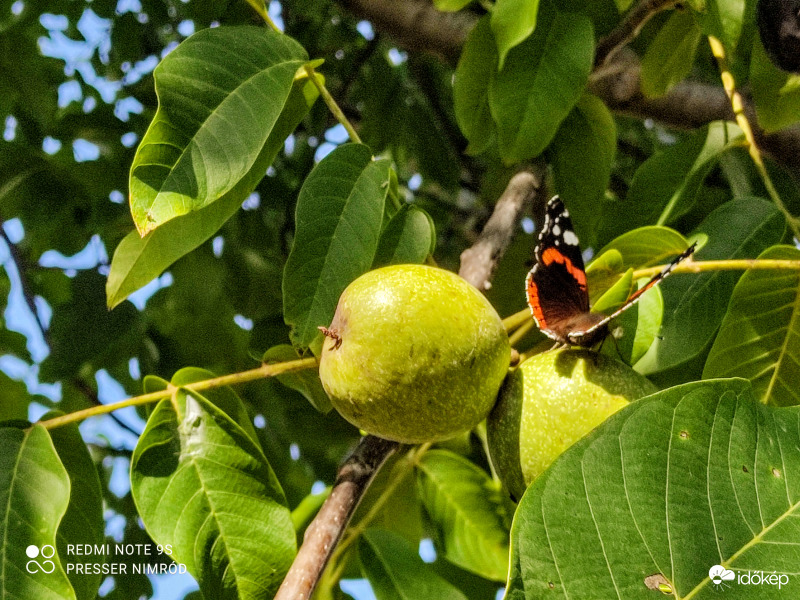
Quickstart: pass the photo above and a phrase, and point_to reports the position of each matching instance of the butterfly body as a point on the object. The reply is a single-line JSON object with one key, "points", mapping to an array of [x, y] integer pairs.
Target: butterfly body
{"points": [[556, 286]]}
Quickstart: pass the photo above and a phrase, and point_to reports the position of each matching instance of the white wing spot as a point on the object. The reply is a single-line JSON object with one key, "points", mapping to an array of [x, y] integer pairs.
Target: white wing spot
{"points": [[570, 238], [556, 230]]}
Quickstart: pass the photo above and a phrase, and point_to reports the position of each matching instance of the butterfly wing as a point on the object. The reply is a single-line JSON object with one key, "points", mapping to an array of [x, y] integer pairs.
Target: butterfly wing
{"points": [[556, 286]]}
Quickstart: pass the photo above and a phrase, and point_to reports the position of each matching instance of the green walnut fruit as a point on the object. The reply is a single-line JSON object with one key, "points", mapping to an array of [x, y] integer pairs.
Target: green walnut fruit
{"points": [[413, 354], [550, 402]]}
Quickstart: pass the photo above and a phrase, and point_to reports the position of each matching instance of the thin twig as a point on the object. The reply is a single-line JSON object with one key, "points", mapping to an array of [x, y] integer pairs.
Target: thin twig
{"points": [[92, 397], [479, 262], [738, 106], [27, 293], [266, 370], [629, 28], [326, 529]]}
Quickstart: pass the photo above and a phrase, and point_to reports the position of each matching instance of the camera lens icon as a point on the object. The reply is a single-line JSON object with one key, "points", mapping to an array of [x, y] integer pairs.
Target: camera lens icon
{"points": [[46, 566]]}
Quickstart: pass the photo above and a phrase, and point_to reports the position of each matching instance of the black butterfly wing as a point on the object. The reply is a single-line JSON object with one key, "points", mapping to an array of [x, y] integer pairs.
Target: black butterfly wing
{"points": [[556, 286]]}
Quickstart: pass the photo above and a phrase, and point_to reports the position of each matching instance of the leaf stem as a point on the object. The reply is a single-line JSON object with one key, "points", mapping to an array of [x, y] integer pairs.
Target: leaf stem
{"points": [[520, 332], [332, 105], [737, 104], [740, 264], [517, 319], [265, 370], [261, 8]]}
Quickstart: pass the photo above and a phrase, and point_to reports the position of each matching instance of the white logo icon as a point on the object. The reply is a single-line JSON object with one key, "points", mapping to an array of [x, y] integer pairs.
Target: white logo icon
{"points": [[46, 566], [720, 574]]}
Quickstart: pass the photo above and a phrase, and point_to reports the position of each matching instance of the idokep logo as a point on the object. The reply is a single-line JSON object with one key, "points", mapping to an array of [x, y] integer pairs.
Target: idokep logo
{"points": [[46, 566], [719, 575]]}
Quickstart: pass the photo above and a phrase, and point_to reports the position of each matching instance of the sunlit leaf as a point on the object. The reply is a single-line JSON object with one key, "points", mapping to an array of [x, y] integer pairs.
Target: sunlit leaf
{"points": [[760, 335], [694, 476], [220, 95]]}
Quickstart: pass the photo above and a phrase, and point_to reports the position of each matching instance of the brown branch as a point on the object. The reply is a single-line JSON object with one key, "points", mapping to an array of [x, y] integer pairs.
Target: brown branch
{"points": [[629, 28], [327, 527], [416, 24], [479, 262]]}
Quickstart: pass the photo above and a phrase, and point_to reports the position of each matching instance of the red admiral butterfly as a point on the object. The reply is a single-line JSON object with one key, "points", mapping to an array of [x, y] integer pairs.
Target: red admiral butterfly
{"points": [[556, 285]]}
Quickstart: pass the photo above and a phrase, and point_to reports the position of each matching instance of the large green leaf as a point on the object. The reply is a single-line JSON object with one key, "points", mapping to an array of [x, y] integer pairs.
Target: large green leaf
{"points": [[468, 511], [475, 69], [666, 185], [338, 221], [688, 478], [220, 94], [541, 81], [582, 154], [670, 56], [512, 22], [202, 484], [34, 495], [83, 522], [137, 260], [696, 303], [396, 572], [760, 335]]}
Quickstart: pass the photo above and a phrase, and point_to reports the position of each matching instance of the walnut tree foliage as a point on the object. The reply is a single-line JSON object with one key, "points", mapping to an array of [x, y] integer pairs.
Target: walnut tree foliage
{"points": [[189, 158]]}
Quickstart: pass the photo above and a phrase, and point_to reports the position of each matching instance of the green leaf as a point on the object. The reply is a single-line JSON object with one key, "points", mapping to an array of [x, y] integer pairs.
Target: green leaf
{"points": [[670, 56], [776, 94], [637, 249], [137, 260], [760, 335], [396, 572], [306, 382], [512, 22], [543, 78], [666, 185], [202, 484], [34, 495], [724, 20], [338, 221], [224, 398], [696, 303], [468, 511], [83, 522], [682, 480], [476, 66], [582, 155], [15, 398], [615, 296], [647, 246], [220, 94], [408, 238], [450, 5]]}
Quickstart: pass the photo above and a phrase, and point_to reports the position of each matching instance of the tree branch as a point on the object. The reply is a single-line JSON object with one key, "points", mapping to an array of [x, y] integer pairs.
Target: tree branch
{"points": [[326, 529], [479, 262], [416, 24], [629, 28]]}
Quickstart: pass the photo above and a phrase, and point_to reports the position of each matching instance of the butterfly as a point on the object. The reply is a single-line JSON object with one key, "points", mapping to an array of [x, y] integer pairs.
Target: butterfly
{"points": [[556, 286]]}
